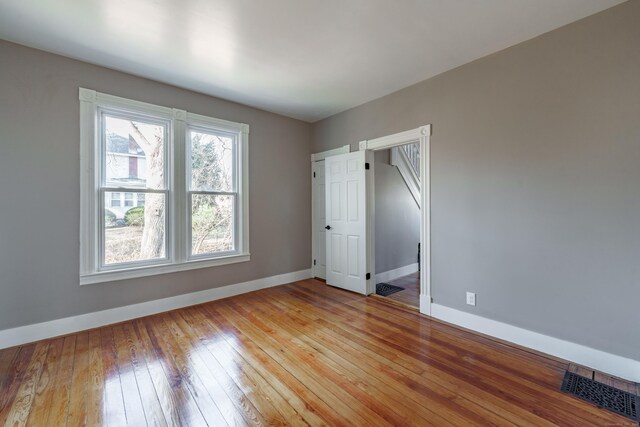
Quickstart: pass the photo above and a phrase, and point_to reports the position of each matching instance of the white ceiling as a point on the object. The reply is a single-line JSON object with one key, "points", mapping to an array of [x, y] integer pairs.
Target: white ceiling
{"points": [[306, 59]]}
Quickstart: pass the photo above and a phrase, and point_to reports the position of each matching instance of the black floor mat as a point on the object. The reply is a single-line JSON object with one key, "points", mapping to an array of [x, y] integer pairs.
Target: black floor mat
{"points": [[385, 289], [604, 396]]}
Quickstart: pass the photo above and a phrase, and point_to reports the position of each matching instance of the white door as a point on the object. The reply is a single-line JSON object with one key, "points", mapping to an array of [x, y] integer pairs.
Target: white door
{"points": [[319, 221], [346, 217]]}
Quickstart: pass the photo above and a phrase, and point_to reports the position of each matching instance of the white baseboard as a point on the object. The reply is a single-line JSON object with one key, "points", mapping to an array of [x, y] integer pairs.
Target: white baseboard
{"points": [[387, 276], [595, 359], [68, 325]]}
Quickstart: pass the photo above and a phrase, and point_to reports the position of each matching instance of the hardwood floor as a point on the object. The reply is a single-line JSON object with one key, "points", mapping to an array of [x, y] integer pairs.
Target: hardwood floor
{"points": [[411, 294], [299, 354]]}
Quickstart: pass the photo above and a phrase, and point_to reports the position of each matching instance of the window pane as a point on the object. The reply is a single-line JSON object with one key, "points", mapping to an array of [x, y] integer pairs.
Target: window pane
{"points": [[134, 153], [135, 234], [211, 223], [211, 162], [128, 199]]}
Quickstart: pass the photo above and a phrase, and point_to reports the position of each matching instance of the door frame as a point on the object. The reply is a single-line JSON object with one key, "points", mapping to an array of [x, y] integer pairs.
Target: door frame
{"points": [[317, 157], [421, 135]]}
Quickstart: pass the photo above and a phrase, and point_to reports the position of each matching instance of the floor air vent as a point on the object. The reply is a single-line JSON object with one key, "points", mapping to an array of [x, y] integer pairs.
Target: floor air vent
{"points": [[385, 289], [602, 395]]}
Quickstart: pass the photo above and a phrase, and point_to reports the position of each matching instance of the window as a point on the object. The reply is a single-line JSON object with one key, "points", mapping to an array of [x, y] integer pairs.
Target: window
{"points": [[185, 186], [128, 200], [115, 200]]}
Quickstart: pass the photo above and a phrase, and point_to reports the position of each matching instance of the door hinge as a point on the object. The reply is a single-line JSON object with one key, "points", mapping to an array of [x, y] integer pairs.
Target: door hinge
{"points": [[368, 276], [314, 262], [314, 174], [366, 165]]}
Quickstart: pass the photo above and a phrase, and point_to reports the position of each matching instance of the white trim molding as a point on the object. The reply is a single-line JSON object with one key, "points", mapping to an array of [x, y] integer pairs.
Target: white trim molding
{"points": [[407, 137], [396, 273], [316, 157], [133, 273], [595, 359], [421, 135], [30, 333]]}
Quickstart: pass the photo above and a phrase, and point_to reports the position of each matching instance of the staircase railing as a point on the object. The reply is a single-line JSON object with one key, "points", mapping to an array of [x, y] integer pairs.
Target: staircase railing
{"points": [[413, 155], [407, 159]]}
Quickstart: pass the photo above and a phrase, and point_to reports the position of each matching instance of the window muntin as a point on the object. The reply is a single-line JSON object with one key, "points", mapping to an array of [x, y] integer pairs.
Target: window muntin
{"points": [[119, 181]]}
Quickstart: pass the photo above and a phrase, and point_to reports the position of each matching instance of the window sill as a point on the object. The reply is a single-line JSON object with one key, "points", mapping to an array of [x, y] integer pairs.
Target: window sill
{"points": [[132, 273]]}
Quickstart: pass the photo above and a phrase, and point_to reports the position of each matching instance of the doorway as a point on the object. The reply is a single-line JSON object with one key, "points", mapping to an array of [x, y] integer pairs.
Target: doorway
{"points": [[321, 220], [397, 224], [422, 137]]}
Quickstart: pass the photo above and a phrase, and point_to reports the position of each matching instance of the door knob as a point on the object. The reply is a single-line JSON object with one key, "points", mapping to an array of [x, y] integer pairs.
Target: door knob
{"points": [[328, 227]]}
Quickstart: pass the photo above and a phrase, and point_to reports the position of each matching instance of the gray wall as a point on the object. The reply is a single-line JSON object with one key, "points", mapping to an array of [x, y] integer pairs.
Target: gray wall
{"points": [[397, 217], [40, 187], [535, 179]]}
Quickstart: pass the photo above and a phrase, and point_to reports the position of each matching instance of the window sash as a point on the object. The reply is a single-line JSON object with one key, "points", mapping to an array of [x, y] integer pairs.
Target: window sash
{"points": [[136, 116], [235, 226], [128, 115], [102, 229], [216, 132]]}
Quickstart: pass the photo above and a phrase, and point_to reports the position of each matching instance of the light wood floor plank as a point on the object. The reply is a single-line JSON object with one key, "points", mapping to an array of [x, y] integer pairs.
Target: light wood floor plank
{"points": [[303, 354], [58, 409], [317, 358], [172, 399], [431, 383], [403, 381], [295, 330], [186, 403], [25, 396], [114, 407], [125, 339], [256, 410], [14, 376], [472, 369], [97, 381], [46, 388], [78, 399], [295, 393], [7, 359], [265, 398], [204, 382], [332, 395]]}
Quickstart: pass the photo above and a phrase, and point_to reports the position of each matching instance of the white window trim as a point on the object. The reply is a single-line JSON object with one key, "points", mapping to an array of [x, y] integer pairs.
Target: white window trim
{"points": [[177, 227]]}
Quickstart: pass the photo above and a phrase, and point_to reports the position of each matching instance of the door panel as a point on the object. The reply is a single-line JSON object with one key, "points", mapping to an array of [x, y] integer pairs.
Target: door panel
{"points": [[352, 201], [346, 199], [336, 254], [353, 245]]}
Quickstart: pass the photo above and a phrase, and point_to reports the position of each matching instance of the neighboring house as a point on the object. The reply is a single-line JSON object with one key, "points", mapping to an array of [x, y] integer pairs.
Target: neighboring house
{"points": [[126, 166]]}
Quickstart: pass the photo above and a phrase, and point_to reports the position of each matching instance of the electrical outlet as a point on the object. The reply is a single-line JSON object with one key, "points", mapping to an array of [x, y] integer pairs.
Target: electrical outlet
{"points": [[471, 298]]}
